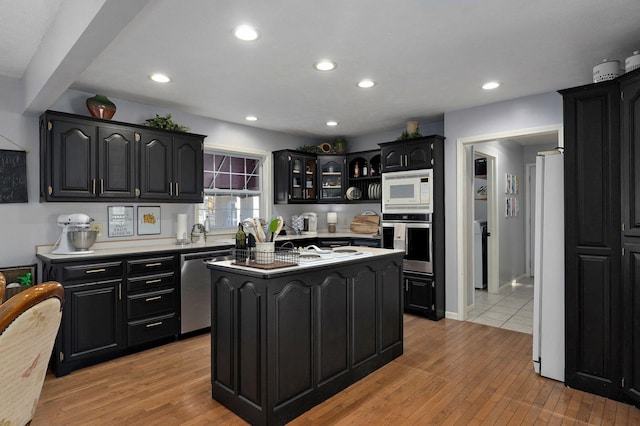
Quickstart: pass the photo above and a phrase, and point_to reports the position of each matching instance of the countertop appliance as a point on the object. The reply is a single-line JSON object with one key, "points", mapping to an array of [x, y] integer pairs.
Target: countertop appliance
{"points": [[70, 223], [195, 288], [548, 287], [409, 191], [310, 226]]}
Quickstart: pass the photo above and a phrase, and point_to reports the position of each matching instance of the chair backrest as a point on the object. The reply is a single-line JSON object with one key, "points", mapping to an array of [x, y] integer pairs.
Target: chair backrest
{"points": [[29, 323]]}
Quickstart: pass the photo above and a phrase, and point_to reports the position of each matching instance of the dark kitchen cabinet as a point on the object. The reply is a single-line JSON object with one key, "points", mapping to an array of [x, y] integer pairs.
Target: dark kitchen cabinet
{"points": [[630, 120], [171, 167], [83, 160], [363, 170], [282, 343], [294, 177], [593, 279], [92, 326], [331, 178], [113, 306], [152, 299], [421, 296], [411, 154], [90, 159]]}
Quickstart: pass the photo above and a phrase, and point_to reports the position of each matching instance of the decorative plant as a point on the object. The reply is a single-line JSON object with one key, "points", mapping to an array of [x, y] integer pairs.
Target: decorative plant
{"points": [[165, 123], [407, 135]]}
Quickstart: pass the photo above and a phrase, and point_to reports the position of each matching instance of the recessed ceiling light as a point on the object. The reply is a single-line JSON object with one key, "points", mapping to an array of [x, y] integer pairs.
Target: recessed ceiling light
{"points": [[251, 118], [491, 85], [160, 78], [325, 65], [366, 83], [246, 33], [331, 123]]}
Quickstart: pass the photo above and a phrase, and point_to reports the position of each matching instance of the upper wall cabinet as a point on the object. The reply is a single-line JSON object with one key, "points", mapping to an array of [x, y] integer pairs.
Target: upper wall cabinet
{"points": [[411, 154], [167, 171], [294, 177], [83, 158]]}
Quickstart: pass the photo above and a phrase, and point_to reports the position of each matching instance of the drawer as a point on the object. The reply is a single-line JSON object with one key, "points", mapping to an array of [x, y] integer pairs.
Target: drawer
{"points": [[150, 265], [152, 329], [150, 282], [92, 271], [150, 304]]}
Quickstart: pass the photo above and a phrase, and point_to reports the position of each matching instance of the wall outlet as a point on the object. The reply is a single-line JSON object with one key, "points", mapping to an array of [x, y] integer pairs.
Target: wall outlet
{"points": [[97, 227]]}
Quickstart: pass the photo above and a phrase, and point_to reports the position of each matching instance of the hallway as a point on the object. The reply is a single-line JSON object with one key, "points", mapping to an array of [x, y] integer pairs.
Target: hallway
{"points": [[511, 309]]}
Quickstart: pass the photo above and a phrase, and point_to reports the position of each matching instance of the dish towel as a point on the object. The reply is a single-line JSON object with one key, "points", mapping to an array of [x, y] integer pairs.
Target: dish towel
{"points": [[399, 231]]}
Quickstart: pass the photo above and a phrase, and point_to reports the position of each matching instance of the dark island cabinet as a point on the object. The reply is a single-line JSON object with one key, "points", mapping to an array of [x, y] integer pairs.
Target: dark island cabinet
{"points": [[281, 345], [112, 306], [410, 154], [85, 161], [630, 120], [171, 167], [90, 159]]}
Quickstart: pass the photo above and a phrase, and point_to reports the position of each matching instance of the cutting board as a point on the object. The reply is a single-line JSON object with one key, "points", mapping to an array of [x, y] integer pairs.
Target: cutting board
{"points": [[365, 224]]}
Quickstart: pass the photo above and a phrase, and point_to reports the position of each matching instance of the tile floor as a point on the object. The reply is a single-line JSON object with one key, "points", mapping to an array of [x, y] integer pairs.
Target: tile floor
{"points": [[512, 308]]}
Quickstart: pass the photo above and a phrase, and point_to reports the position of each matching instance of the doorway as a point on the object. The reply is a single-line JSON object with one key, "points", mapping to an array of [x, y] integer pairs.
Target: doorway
{"points": [[465, 218]]}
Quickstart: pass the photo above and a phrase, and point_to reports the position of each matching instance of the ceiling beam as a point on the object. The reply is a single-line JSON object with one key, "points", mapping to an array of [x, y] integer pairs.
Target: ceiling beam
{"points": [[80, 32]]}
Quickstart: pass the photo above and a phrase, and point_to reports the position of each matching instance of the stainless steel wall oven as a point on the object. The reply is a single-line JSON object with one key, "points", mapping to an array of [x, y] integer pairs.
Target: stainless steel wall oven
{"points": [[415, 238]]}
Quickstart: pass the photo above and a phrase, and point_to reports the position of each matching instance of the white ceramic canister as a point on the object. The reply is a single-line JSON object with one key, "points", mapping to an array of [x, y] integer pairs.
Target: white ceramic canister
{"points": [[606, 70], [632, 62]]}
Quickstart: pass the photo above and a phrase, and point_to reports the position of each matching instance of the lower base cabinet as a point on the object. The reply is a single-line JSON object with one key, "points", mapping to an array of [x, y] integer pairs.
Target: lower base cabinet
{"points": [[421, 296], [281, 345], [112, 307]]}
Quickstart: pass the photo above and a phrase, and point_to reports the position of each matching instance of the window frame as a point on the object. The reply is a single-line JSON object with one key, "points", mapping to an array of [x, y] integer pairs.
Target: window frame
{"points": [[265, 182]]}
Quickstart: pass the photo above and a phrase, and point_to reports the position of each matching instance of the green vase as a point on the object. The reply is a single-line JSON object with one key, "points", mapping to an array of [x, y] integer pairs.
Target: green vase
{"points": [[101, 107]]}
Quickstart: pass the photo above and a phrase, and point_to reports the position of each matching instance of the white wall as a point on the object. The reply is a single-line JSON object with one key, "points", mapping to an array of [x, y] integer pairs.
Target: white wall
{"points": [[523, 113], [26, 225]]}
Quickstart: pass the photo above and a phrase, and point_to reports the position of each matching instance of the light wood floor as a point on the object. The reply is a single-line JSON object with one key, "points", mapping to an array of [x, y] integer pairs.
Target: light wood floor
{"points": [[451, 372]]}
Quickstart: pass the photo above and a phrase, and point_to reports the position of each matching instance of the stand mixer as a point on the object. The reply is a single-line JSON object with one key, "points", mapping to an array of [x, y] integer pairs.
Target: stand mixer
{"points": [[72, 224]]}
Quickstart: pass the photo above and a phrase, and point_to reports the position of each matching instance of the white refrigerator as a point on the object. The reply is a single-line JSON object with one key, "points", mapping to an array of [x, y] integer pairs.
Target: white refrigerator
{"points": [[548, 288]]}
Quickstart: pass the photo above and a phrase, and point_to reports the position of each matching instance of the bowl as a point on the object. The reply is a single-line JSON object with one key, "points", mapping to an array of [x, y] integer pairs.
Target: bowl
{"points": [[82, 239]]}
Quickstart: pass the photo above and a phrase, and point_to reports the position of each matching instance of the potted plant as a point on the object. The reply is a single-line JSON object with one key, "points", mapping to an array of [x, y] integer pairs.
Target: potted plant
{"points": [[165, 123]]}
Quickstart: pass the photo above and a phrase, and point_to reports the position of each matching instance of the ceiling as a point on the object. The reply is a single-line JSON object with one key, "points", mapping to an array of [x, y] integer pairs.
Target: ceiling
{"points": [[428, 57]]}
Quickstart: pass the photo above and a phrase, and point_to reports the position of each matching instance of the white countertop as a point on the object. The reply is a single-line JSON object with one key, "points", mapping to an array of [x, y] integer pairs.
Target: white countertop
{"points": [[362, 254], [149, 246]]}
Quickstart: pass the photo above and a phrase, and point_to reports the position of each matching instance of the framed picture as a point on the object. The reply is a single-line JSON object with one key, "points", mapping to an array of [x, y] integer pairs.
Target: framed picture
{"points": [[120, 221], [148, 220]]}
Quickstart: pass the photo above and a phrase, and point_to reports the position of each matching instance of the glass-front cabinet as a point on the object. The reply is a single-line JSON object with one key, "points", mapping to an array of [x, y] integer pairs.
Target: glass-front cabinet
{"points": [[331, 177], [303, 178]]}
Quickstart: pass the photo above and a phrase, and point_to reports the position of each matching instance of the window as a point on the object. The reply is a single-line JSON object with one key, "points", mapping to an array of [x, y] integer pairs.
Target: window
{"points": [[232, 185]]}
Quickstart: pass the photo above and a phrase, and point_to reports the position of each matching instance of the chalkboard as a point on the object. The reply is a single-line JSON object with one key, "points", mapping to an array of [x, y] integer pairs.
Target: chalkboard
{"points": [[13, 176]]}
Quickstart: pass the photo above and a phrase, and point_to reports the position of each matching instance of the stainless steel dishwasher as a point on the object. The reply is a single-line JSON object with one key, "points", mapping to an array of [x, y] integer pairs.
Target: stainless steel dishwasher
{"points": [[195, 289]]}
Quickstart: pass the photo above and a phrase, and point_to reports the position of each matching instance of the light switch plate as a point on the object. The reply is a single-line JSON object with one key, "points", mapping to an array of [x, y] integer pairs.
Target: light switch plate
{"points": [[97, 227]]}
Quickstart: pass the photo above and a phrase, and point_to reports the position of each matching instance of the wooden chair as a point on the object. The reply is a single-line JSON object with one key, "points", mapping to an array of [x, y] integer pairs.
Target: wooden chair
{"points": [[3, 285], [29, 323]]}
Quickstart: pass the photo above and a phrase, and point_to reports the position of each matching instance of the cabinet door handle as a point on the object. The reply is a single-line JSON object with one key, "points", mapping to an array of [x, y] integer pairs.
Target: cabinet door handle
{"points": [[151, 299], [149, 265], [93, 186], [154, 324], [171, 189], [94, 271], [177, 192], [153, 281], [102, 186], [120, 291]]}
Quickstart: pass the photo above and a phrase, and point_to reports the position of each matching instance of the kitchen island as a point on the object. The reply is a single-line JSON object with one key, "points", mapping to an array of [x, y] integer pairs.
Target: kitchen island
{"points": [[284, 340]]}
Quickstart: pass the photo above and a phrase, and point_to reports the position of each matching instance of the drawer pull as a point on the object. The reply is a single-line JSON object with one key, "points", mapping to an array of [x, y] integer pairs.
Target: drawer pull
{"points": [[154, 324], [93, 271], [149, 265], [153, 281], [150, 299]]}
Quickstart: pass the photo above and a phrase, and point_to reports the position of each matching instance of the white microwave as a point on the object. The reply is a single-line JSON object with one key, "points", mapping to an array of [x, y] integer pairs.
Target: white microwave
{"points": [[408, 192]]}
